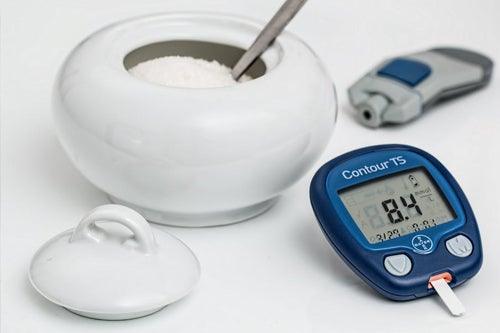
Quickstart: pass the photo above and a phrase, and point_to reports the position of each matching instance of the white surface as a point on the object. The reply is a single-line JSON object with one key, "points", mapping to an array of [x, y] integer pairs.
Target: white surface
{"points": [[275, 273], [182, 156], [106, 273]]}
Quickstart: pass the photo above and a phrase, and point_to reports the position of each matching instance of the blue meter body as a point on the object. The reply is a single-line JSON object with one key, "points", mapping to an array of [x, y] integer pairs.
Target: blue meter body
{"points": [[398, 218]]}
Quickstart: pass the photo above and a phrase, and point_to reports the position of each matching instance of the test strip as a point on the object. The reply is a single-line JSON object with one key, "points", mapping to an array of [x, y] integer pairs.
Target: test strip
{"points": [[448, 297]]}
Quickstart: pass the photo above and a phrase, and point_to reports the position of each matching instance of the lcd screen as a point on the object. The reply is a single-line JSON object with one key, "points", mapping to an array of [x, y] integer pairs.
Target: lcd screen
{"points": [[396, 205]]}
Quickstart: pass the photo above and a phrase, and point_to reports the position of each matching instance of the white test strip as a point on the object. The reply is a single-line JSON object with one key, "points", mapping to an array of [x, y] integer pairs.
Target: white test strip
{"points": [[448, 297]]}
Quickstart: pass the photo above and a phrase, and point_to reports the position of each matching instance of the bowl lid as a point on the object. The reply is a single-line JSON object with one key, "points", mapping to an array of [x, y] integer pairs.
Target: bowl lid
{"points": [[108, 273]]}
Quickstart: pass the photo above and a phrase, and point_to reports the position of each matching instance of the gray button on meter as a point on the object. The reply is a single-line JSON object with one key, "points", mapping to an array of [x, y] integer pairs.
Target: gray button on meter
{"points": [[398, 265], [459, 246]]}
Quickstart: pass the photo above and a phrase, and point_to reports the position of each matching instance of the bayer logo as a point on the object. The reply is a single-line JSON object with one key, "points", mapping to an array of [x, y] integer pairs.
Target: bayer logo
{"points": [[422, 243]]}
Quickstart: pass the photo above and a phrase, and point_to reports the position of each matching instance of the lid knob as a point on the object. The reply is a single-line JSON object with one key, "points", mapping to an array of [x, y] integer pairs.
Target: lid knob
{"points": [[87, 229]]}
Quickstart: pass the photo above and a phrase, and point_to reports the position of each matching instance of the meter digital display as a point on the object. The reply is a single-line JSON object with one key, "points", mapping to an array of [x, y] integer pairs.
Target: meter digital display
{"points": [[396, 205]]}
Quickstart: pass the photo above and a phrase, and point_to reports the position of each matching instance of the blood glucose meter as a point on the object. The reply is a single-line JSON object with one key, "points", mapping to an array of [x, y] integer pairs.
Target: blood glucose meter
{"points": [[398, 219]]}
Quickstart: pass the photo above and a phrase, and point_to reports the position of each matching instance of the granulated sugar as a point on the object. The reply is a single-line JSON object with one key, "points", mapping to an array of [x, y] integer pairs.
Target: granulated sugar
{"points": [[187, 72]]}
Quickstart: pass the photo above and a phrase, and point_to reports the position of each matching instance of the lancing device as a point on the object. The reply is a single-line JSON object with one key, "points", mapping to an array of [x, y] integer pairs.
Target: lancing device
{"points": [[400, 89]]}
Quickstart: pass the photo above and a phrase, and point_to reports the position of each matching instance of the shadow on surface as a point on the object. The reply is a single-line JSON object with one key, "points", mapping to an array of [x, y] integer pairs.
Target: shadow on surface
{"points": [[326, 259]]}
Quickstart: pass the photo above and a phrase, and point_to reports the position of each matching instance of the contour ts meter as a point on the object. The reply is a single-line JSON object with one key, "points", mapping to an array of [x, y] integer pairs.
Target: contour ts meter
{"points": [[398, 218], [400, 89]]}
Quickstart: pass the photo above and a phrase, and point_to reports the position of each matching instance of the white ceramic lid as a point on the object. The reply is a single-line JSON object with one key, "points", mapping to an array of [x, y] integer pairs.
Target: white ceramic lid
{"points": [[109, 274]]}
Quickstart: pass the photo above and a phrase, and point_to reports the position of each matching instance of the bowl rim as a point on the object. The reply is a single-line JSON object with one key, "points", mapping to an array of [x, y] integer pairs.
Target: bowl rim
{"points": [[278, 47]]}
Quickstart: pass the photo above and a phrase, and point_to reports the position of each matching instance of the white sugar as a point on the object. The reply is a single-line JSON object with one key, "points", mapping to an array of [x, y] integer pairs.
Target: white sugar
{"points": [[187, 72]]}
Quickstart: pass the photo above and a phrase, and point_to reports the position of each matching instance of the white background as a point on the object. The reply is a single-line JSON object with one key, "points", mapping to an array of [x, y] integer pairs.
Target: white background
{"points": [[275, 273]]}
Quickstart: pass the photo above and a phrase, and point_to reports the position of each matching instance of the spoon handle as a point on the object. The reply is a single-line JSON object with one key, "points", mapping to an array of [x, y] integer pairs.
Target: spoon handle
{"points": [[272, 29]]}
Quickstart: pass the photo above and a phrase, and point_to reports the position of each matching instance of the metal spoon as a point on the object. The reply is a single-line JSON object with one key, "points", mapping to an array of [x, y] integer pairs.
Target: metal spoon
{"points": [[272, 29]]}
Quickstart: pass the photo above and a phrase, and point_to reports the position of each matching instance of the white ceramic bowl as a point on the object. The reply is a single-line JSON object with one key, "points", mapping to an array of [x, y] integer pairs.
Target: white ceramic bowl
{"points": [[184, 156]]}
